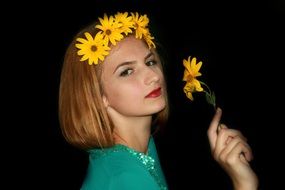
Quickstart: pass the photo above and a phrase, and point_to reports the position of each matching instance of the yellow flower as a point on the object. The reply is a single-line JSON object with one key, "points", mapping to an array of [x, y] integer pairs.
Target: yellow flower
{"points": [[188, 90], [190, 73], [141, 23], [92, 49], [110, 29], [192, 84], [148, 38], [125, 21]]}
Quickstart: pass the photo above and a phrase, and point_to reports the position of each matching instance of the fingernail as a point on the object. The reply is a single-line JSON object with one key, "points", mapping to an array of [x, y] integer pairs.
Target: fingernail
{"points": [[220, 127], [219, 109]]}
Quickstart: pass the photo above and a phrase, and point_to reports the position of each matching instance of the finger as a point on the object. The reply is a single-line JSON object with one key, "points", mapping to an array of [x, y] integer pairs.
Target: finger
{"points": [[225, 136], [230, 146], [212, 131], [247, 153], [240, 151], [220, 127]]}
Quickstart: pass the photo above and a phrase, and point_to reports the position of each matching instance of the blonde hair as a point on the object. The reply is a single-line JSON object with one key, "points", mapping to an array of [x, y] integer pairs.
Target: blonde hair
{"points": [[83, 118]]}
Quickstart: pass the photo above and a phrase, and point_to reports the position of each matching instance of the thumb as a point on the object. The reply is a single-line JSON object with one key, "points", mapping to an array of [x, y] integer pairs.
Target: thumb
{"points": [[212, 131]]}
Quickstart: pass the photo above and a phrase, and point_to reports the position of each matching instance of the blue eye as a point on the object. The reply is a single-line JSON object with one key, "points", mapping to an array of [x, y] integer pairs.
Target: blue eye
{"points": [[126, 72], [151, 63]]}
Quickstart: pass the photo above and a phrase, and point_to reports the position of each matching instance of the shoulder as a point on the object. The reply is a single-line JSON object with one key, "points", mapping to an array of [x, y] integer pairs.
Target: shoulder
{"points": [[112, 161], [116, 170], [133, 179]]}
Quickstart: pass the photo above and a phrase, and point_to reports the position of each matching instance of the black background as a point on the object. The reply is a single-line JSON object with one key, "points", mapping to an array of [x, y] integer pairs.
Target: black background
{"points": [[241, 44]]}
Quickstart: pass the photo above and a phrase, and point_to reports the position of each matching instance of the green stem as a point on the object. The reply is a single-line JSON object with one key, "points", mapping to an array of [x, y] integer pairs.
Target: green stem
{"points": [[208, 88], [210, 95]]}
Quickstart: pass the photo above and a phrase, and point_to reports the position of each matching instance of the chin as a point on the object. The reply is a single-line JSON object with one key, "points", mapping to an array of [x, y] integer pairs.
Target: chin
{"points": [[158, 107]]}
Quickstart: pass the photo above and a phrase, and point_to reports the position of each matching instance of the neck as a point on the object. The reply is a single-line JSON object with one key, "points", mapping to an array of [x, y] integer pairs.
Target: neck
{"points": [[133, 132]]}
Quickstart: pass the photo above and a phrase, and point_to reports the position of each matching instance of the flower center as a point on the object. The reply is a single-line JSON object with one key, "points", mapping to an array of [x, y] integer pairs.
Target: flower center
{"points": [[108, 32], [93, 48], [190, 78]]}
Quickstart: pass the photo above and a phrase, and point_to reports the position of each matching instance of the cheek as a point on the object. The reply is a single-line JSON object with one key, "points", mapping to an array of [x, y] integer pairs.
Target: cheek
{"points": [[124, 94]]}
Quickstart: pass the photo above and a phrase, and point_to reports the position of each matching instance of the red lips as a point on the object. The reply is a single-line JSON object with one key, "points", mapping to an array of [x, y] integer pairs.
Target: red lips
{"points": [[155, 93]]}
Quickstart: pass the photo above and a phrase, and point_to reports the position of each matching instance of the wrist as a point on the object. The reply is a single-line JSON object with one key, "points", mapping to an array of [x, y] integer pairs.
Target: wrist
{"points": [[253, 185]]}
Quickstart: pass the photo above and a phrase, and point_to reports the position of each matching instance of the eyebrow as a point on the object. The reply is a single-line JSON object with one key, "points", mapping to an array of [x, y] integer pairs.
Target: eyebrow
{"points": [[132, 62]]}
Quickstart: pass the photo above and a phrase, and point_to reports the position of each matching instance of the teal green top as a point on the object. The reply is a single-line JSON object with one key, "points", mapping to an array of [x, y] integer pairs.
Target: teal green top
{"points": [[123, 168]]}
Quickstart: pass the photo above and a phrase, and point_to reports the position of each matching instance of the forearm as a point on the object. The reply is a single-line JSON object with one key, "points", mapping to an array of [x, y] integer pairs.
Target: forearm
{"points": [[250, 184]]}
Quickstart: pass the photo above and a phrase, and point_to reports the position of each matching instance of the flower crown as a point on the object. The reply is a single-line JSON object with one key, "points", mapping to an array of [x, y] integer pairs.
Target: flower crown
{"points": [[111, 31]]}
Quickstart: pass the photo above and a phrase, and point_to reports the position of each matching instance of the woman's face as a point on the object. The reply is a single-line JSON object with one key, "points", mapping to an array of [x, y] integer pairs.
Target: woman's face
{"points": [[132, 79]]}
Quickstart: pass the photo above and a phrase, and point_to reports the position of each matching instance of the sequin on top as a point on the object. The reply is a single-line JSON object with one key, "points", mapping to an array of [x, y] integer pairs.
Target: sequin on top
{"points": [[146, 160]]}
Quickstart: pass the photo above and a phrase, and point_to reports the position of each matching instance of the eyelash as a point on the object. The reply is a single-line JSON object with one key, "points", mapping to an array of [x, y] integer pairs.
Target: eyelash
{"points": [[129, 71], [154, 62], [126, 72]]}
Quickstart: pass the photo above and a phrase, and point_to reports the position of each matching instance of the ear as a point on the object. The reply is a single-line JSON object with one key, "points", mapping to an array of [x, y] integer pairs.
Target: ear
{"points": [[105, 101]]}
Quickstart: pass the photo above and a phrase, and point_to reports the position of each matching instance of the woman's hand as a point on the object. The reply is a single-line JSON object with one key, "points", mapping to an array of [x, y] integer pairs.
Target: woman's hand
{"points": [[230, 149]]}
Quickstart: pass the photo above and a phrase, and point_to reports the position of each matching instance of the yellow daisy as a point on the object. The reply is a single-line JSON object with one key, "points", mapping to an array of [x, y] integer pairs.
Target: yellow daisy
{"points": [[126, 22], [141, 22], [148, 38], [190, 73], [193, 85], [92, 49], [110, 29], [188, 89]]}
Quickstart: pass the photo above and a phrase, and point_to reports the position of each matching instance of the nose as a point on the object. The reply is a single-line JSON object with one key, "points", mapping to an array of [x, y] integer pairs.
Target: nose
{"points": [[152, 75]]}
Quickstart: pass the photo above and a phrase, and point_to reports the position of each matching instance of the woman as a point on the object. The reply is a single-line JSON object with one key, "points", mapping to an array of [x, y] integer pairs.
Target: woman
{"points": [[113, 95]]}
